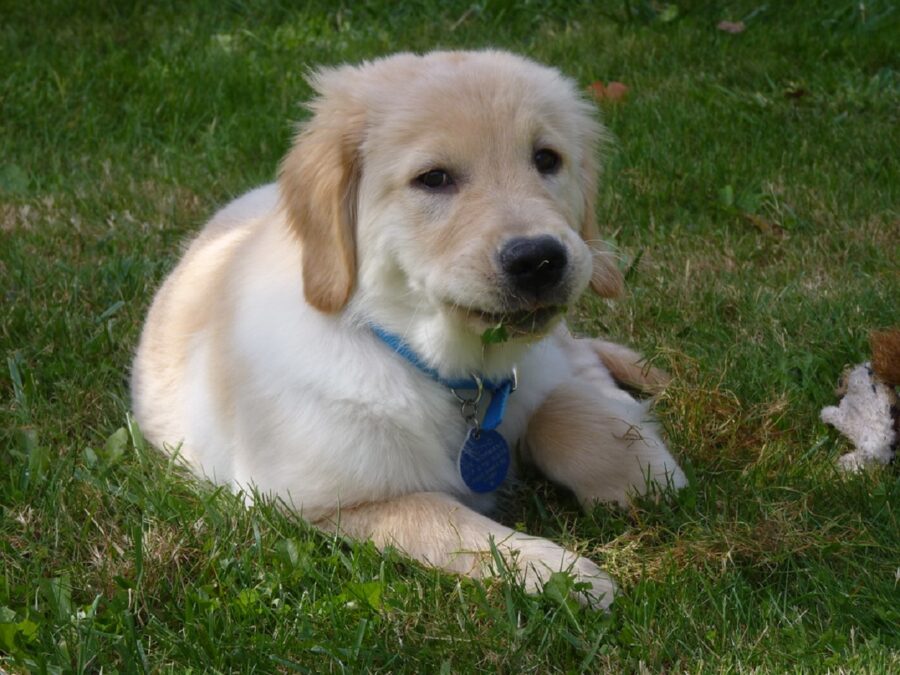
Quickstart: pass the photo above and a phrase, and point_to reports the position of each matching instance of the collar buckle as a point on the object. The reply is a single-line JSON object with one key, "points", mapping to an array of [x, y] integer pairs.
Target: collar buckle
{"points": [[469, 406]]}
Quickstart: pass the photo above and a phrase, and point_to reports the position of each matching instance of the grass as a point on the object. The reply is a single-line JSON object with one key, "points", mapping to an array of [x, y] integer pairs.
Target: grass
{"points": [[753, 193]]}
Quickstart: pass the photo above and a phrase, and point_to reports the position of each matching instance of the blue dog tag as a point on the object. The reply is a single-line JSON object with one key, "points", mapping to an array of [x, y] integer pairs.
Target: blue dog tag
{"points": [[484, 460]]}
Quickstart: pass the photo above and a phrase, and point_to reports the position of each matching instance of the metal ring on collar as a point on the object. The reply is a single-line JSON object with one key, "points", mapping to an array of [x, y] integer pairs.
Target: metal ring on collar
{"points": [[479, 391]]}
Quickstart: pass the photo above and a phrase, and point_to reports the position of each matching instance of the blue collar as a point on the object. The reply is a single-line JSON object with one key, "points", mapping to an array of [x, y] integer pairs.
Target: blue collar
{"points": [[500, 391]]}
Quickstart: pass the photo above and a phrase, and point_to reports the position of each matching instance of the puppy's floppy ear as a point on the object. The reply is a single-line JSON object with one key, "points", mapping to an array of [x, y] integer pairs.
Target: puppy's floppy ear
{"points": [[606, 280], [318, 184]]}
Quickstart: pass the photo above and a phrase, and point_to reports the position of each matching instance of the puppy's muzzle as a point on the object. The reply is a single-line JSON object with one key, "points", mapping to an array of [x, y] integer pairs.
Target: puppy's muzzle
{"points": [[534, 267]]}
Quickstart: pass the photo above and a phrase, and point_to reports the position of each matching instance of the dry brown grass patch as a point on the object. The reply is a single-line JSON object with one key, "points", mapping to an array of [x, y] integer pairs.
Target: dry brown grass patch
{"points": [[711, 424]]}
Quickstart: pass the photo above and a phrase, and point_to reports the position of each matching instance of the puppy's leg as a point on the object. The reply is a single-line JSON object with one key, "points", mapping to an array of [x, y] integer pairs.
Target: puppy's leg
{"points": [[436, 529], [628, 367], [599, 442], [607, 362]]}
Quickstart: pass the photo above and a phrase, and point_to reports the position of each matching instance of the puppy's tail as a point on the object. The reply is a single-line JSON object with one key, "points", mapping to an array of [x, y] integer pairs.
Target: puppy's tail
{"points": [[629, 368]]}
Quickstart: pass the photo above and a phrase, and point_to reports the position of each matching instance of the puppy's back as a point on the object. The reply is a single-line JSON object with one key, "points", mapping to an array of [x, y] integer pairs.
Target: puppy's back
{"points": [[183, 313]]}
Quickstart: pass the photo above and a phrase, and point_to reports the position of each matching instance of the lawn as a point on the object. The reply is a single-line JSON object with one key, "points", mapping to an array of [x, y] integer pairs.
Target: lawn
{"points": [[752, 189]]}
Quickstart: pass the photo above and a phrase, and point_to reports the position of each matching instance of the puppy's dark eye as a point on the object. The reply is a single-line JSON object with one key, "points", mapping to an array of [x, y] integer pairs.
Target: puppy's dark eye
{"points": [[435, 179], [547, 161]]}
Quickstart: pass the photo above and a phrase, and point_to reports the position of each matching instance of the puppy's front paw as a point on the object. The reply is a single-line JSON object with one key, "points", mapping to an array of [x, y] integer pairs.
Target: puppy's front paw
{"points": [[601, 590], [654, 482], [535, 560]]}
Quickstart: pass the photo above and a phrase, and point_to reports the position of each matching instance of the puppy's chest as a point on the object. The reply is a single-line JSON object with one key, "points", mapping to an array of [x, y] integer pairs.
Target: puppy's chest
{"points": [[428, 413], [432, 410]]}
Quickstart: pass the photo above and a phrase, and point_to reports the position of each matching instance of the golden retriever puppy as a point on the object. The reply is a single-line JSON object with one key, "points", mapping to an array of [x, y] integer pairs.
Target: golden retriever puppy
{"points": [[378, 336]]}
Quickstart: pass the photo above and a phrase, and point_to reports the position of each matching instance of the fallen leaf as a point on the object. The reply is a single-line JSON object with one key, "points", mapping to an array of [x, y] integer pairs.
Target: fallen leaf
{"points": [[614, 91], [596, 89], [794, 91], [733, 27], [765, 226]]}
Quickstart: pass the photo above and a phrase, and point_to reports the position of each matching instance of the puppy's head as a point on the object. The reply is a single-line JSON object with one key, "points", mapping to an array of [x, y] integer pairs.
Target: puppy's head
{"points": [[459, 183]]}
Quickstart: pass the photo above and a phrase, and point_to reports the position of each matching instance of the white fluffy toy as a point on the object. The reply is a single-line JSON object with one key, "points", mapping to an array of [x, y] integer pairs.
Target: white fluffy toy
{"points": [[864, 416], [868, 412]]}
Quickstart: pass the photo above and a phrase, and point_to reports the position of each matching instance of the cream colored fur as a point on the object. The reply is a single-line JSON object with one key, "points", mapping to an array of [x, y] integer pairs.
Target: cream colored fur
{"points": [[257, 363]]}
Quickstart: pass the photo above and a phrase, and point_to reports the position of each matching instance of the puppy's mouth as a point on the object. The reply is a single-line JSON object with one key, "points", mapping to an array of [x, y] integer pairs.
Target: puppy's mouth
{"points": [[533, 321]]}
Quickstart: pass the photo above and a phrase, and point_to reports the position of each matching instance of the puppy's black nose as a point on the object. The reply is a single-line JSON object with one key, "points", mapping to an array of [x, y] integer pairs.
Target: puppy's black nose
{"points": [[534, 265]]}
